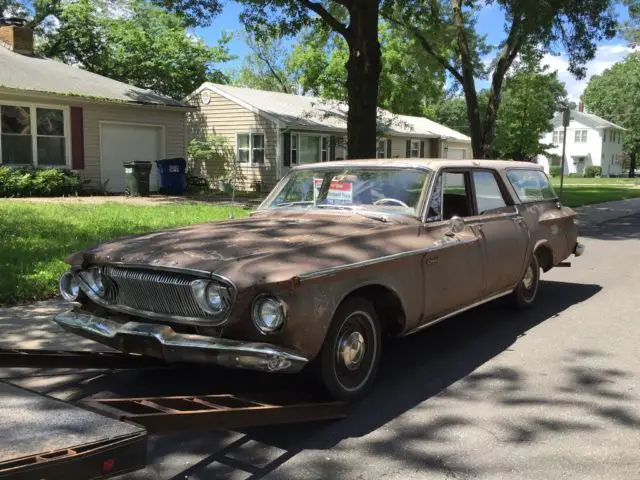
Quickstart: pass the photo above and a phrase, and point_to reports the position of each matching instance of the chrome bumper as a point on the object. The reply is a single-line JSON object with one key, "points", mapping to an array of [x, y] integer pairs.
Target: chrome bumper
{"points": [[579, 249], [162, 341]]}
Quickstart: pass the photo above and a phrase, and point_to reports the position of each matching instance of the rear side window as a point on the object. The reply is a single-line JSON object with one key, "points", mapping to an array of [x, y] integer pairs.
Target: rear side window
{"points": [[531, 185]]}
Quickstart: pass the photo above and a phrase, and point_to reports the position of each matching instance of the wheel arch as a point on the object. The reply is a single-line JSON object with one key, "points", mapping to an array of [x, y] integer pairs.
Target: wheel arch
{"points": [[387, 303], [544, 252]]}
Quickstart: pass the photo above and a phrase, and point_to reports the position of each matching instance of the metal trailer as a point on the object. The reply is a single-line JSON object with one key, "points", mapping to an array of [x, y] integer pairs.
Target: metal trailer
{"points": [[42, 438]]}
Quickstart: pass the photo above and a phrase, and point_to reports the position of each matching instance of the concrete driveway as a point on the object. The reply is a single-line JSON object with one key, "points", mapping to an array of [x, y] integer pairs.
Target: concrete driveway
{"points": [[550, 393]]}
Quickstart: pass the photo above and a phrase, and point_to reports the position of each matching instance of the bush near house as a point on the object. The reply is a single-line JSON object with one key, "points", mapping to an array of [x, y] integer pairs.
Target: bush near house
{"points": [[38, 182], [592, 171], [555, 170]]}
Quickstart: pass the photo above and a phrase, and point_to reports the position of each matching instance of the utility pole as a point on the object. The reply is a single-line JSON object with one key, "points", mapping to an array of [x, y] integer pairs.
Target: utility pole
{"points": [[566, 118]]}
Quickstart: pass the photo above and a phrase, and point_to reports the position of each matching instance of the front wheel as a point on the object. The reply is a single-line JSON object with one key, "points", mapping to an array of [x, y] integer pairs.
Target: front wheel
{"points": [[348, 362], [525, 293]]}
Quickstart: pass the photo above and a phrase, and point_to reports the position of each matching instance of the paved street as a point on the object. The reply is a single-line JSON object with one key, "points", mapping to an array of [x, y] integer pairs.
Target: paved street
{"points": [[551, 393]]}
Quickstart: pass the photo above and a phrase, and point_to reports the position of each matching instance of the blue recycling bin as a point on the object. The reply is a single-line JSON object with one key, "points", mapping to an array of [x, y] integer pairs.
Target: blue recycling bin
{"points": [[173, 180]]}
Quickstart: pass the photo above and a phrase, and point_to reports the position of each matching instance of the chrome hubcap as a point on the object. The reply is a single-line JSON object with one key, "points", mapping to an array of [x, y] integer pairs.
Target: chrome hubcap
{"points": [[527, 281], [351, 350]]}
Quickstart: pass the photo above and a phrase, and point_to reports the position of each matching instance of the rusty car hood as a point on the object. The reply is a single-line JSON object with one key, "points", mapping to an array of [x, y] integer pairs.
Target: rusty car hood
{"points": [[258, 249]]}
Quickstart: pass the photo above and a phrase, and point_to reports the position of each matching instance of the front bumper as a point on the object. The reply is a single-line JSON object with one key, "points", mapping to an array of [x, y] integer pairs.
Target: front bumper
{"points": [[578, 249], [161, 341]]}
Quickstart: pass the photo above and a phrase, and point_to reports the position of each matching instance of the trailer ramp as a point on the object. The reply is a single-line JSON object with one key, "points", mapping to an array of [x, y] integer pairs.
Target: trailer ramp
{"points": [[42, 438]]}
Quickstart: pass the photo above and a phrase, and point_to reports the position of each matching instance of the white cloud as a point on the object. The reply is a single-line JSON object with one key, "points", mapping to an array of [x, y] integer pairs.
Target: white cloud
{"points": [[605, 57]]}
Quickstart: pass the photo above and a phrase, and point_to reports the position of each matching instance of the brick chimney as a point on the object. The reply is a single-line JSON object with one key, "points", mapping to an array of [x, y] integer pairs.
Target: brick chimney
{"points": [[581, 107], [15, 36]]}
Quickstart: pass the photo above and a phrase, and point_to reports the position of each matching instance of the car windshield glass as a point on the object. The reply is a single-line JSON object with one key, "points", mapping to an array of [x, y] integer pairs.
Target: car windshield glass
{"points": [[388, 190]]}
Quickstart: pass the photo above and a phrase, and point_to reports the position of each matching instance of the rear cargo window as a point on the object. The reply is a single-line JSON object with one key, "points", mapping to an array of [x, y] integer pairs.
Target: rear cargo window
{"points": [[531, 185]]}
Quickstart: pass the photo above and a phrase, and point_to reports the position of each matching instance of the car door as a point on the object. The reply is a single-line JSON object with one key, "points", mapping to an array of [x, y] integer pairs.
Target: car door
{"points": [[453, 264], [505, 235]]}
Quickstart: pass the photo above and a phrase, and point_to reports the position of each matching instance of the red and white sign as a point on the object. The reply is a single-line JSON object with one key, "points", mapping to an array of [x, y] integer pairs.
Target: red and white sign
{"points": [[340, 193]]}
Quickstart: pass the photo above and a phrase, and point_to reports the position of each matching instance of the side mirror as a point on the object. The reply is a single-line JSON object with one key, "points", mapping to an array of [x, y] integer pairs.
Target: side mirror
{"points": [[456, 225]]}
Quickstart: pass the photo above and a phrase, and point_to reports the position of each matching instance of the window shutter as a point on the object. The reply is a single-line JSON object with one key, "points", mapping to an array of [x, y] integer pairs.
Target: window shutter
{"points": [[77, 138], [388, 148], [422, 149], [287, 149], [408, 148], [332, 148]]}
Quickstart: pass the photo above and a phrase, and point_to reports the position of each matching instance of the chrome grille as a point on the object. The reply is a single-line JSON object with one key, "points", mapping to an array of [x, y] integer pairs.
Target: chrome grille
{"points": [[152, 291]]}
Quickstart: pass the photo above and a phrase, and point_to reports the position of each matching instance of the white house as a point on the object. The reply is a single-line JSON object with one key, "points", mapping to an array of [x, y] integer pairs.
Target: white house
{"points": [[591, 140]]}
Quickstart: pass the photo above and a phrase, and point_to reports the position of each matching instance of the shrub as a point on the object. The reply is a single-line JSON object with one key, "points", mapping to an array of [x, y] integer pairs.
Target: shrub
{"points": [[555, 170], [38, 182], [215, 160], [592, 171]]}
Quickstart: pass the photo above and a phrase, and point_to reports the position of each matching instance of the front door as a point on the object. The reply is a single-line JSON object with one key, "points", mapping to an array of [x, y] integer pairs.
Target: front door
{"points": [[505, 235], [454, 267]]}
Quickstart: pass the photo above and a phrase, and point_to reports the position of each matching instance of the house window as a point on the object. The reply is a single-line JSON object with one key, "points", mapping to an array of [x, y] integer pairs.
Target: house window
{"points": [[250, 148], [414, 151], [324, 150], [381, 150], [33, 135], [558, 137], [309, 149], [581, 136], [294, 149], [555, 137]]}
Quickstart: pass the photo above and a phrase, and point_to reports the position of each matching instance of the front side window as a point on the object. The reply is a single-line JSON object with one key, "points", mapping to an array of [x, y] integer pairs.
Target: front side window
{"points": [[531, 185], [32, 136], [488, 194], [390, 190]]}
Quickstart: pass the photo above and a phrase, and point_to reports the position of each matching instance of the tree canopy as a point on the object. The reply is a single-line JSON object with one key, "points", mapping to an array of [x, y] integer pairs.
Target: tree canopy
{"points": [[133, 42], [614, 95], [445, 30]]}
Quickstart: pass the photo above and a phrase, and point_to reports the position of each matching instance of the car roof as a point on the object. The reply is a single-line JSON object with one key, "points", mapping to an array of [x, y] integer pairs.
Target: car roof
{"points": [[429, 163]]}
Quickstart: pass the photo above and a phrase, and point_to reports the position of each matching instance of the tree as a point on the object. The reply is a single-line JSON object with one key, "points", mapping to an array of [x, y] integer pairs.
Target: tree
{"points": [[139, 44], [531, 97], [410, 81], [615, 96], [631, 28], [265, 68], [575, 24], [357, 22]]}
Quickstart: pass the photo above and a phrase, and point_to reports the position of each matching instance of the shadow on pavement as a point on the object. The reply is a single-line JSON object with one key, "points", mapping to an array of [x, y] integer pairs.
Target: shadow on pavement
{"points": [[624, 228], [413, 370]]}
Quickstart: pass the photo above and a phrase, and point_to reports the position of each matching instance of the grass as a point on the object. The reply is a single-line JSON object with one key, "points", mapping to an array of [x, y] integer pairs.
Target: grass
{"points": [[579, 191], [36, 237]]}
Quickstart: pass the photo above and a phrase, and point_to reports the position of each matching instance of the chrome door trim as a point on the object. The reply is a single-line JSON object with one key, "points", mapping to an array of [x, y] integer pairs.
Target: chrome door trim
{"points": [[387, 258], [456, 312]]}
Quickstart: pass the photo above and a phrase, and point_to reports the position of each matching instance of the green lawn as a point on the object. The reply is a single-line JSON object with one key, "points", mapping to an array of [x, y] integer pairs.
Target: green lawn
{"points": [[585, 191], [36, 237]]}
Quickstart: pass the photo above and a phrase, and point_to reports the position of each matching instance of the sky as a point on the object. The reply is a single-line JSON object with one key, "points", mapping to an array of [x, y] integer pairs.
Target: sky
{"points": [[490, 22]]}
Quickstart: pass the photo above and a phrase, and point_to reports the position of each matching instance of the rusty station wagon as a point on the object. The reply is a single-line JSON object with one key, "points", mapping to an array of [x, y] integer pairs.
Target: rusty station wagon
{"points": [[337, 256]]}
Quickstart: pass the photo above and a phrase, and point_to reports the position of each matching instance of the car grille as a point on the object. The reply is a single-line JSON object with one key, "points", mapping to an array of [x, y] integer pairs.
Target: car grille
{"points": [[165, 293]]}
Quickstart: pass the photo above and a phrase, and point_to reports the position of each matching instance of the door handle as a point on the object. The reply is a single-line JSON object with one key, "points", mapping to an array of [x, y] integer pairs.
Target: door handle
{"points": [[518, 219]]}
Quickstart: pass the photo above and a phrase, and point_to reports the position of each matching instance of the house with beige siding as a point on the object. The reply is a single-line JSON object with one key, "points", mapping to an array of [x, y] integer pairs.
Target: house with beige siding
{"points": [[57, 115], [270, 131]]}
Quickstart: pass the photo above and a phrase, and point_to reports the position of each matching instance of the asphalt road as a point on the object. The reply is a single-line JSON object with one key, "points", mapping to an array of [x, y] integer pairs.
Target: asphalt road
{"points": [[550, 393]]}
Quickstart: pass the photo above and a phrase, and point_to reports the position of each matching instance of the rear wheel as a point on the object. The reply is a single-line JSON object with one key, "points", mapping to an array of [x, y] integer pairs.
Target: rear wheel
{"points": [[348, 362], [527, 290]]}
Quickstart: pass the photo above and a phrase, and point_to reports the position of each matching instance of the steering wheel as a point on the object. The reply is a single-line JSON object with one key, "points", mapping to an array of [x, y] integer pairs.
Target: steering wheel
{"points": [[394, 200]]}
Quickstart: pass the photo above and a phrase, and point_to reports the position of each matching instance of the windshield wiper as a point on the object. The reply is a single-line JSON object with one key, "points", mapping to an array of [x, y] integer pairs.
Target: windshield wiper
{"points": [[289, 204], [358, 211]]}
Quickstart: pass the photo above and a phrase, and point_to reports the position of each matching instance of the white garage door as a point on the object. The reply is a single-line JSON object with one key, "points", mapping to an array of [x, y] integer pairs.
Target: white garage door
{"points": [[121, 143], [456, 153]]}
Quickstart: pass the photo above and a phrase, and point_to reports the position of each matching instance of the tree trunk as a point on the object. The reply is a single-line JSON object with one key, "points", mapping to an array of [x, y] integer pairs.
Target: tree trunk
{"points": [[363, 72], [632, 164]]}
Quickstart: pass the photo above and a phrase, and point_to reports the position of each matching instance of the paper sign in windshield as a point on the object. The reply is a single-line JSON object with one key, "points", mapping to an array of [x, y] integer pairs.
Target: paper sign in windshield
{"points": [[340, 193]]}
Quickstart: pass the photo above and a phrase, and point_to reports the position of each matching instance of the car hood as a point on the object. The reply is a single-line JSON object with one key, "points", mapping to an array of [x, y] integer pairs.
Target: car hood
{"points": [[259, 249]]}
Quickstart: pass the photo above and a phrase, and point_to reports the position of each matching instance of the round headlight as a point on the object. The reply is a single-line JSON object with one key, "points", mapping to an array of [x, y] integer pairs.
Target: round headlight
{"points": [[69, 286], [212, 297], [268, 314], [93, 278]]}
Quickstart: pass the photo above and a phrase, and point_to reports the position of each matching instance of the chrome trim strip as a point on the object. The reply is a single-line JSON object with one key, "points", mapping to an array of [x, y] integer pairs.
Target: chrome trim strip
{"points": [[163, 342], [456, 312], [395, 256], [169, 268]]}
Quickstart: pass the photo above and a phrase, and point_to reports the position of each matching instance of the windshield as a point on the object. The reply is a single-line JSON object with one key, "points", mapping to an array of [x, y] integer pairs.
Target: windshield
{"points": [[388, 190]]}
